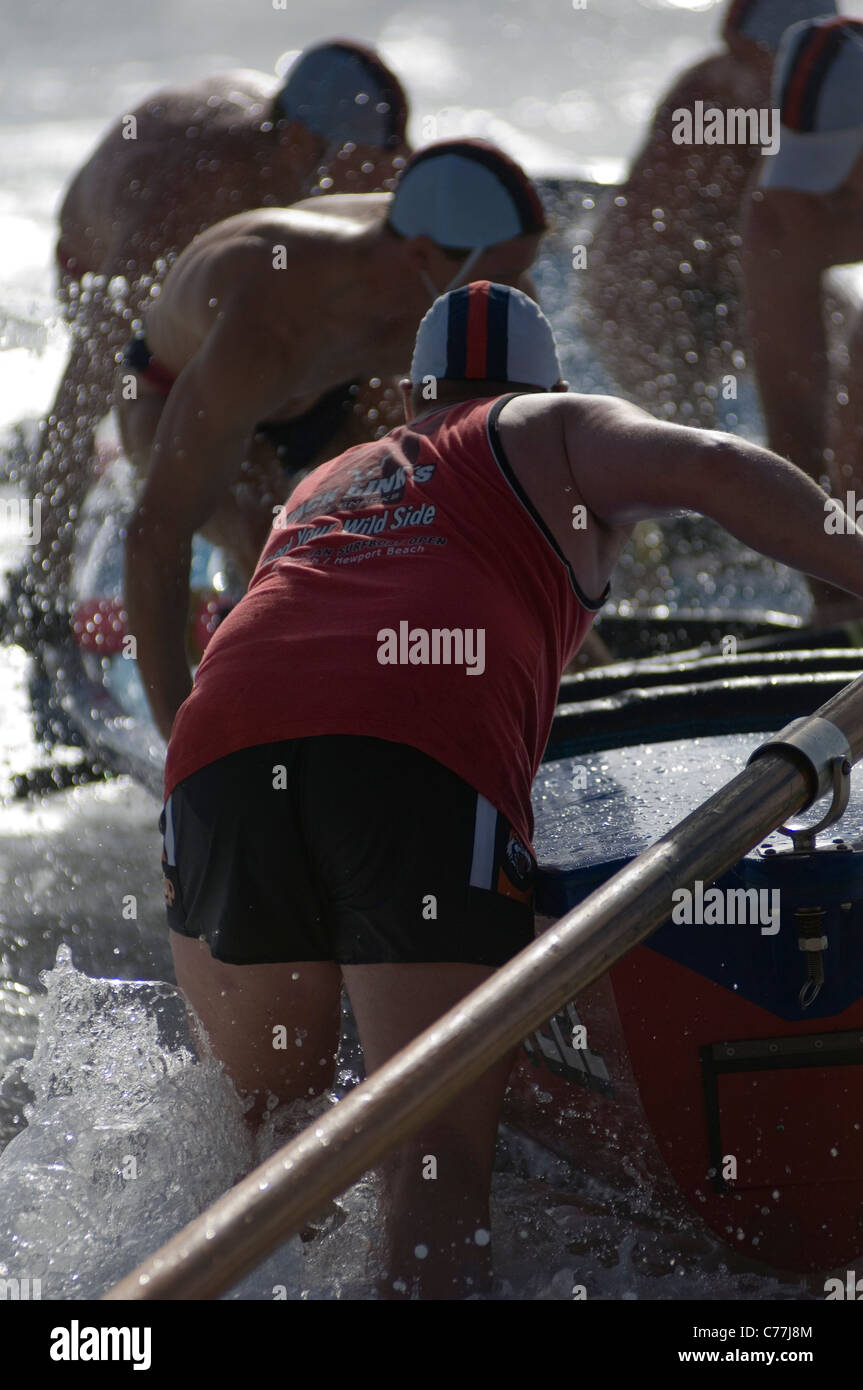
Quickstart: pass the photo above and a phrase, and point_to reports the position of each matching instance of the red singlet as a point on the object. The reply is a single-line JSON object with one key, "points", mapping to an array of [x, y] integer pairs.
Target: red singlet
{"points": [[409, 592]]}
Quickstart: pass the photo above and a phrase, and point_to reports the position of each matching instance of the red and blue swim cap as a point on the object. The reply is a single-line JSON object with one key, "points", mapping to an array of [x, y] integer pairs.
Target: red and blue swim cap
{"points": [[465, 194], [765, 21], [486, 332], [818, 90]]}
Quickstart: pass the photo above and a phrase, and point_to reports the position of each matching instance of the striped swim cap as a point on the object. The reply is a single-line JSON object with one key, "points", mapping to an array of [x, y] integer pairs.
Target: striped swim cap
{"points": [[818, 88], [765, 21], [464, 194], [344, 91], [486, 332]]}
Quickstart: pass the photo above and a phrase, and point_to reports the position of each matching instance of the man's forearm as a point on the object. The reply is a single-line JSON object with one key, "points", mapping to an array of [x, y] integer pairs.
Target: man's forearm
{"points": [[772, 506], [157, 603]]}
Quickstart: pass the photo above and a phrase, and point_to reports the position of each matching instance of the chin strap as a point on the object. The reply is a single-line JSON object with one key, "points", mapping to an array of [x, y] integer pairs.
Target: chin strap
{"points": [[467, 265]]}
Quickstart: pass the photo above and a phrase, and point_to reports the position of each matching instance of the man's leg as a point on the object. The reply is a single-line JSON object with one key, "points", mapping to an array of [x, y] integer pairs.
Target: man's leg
{"points": [[436, 1185], [242, 1009]]}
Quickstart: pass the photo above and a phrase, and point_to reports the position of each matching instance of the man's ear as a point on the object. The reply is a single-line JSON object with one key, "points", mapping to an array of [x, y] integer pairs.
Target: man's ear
{"points": [[406, 386]]}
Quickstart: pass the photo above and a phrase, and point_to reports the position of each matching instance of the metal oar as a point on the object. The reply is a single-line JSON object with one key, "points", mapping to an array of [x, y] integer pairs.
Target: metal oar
{"points": [[218, 1248]]}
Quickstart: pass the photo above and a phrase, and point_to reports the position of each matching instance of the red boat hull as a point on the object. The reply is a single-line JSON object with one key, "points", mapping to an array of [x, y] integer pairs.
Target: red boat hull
{"points": [[685, 1085]]}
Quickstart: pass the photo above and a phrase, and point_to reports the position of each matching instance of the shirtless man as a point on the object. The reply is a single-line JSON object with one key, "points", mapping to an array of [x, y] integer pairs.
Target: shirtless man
{"points": [[260, 320], [348, 785], [662, 287], [805, 216], [188, 158]]}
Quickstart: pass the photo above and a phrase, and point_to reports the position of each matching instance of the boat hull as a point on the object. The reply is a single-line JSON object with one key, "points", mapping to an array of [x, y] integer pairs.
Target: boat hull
{"points": [[694, 1070]]}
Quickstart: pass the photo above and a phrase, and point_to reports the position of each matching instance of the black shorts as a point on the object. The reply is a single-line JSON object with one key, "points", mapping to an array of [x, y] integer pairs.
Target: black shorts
{"points": [[347, 849]]}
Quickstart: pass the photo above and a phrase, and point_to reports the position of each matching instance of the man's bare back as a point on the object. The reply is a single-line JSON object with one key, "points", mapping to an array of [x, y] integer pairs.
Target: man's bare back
{"points": [[308, 266], [206, 140], [190, 156], [661, 292], [299, 292]]}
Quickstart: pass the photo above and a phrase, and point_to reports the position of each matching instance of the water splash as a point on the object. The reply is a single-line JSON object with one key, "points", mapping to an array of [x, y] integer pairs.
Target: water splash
{"points": [[129, 1134]]}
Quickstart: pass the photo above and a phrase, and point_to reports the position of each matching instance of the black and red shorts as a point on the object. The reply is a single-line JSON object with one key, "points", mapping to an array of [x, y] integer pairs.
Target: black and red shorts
{"points": [[343, 848]]}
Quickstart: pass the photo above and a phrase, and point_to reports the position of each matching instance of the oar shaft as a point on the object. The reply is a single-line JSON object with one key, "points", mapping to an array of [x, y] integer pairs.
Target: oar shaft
{"points": [[274, 1201]]}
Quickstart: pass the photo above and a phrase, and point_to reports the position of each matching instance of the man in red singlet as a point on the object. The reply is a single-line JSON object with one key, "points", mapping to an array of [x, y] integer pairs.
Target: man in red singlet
{"points": [[348, 785]]}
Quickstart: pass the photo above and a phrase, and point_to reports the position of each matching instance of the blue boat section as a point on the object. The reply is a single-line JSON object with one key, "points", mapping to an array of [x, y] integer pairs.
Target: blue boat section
{"points": [[597, 812]]}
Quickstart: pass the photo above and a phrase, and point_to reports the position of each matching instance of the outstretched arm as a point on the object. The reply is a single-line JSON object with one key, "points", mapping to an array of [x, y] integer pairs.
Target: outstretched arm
{"points": [[628, 466], [237, 378]]}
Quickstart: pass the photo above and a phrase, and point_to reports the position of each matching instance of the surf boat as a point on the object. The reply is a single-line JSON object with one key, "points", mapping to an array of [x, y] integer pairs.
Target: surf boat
{"points": [[719, 1063]]}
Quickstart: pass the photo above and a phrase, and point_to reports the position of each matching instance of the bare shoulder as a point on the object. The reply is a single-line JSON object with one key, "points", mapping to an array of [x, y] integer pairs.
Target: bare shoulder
{"points": [[304, 226], [537, 433], [569, 413], [713, 79], [362, 209], [269, 268], [240, 92], [558, 426], [257, 233], [267, 239], [238, 83]]}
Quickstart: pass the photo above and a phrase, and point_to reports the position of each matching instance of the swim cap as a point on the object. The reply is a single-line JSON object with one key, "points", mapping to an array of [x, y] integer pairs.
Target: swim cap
{"points": [[344, 91], [486, 332], [818, 88], [765, 21], [464, 194]]}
